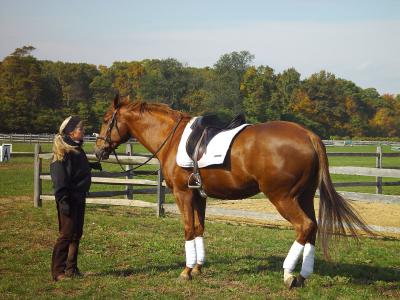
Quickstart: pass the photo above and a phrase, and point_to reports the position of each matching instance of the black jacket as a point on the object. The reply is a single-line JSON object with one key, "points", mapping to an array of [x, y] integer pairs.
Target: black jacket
{"points": [[72, 174]]}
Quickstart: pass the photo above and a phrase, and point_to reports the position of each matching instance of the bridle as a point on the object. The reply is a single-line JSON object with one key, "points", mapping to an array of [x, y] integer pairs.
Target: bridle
{"points": [[107, 138], [113, 121]]}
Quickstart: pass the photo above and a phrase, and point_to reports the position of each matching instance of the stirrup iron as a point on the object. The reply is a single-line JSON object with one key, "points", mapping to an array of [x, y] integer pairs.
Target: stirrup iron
{"points": [[194, 181]]}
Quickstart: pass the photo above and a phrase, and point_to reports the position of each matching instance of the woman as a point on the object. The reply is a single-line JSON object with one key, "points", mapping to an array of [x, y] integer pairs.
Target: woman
{"points": [[70, 173]]}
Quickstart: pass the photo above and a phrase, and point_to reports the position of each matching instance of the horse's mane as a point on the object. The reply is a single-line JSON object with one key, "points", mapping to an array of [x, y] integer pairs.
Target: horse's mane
{"points": [[143, 107]]}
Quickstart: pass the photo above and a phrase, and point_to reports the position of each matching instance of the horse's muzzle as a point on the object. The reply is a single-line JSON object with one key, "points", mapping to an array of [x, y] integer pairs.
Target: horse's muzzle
{"points": [[101, 153]]}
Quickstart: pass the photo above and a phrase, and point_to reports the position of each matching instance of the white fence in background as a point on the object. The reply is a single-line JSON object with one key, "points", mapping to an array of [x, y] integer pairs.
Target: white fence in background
{"points": [[37, 138], [48, 138]]}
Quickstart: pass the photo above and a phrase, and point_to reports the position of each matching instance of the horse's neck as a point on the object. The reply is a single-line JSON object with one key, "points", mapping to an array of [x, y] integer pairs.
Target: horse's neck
{"points": [[153, 130]]}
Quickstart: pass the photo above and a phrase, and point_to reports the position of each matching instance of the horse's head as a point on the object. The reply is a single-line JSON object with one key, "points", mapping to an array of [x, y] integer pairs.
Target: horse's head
{"points": [[114, 130]]}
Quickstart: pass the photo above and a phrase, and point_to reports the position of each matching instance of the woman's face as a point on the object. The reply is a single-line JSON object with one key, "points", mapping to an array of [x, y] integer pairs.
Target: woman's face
{"points": [[78, 133]]}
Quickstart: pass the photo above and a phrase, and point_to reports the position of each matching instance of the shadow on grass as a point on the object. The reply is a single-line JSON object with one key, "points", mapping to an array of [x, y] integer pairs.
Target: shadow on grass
{"points": [[149, 269], [357, 273]]}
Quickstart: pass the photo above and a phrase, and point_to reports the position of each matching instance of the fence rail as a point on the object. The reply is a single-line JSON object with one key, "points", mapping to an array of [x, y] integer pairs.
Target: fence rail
{"points": [[378, 171], [48, 138], [112, 179], [39, 138], [109, 178]]}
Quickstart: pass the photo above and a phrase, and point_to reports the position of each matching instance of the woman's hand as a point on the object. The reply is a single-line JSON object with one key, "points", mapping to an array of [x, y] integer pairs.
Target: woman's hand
{"points": [[96, 165]]}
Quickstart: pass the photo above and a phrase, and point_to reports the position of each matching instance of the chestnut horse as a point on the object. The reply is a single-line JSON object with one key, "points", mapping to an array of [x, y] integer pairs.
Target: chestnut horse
{"points": [[283, 160]]}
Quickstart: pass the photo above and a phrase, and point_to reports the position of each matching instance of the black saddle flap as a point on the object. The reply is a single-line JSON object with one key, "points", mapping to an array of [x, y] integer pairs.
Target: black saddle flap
{"points": [[212, 125]]}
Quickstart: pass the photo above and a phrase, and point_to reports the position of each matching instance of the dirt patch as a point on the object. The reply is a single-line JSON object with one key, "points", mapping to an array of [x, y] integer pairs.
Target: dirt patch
{"points": [[379, 214], [11, 166]]}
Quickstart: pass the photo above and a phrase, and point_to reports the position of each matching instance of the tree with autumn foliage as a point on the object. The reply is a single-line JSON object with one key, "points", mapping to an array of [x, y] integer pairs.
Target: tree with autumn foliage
{"points": [[36, 95], [386, 121]]}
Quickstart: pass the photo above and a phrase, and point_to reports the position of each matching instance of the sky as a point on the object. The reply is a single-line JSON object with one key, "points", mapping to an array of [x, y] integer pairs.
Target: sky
{"points": [[358, 40]]}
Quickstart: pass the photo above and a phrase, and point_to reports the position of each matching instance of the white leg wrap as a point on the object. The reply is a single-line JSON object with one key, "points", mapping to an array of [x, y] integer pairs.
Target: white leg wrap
{"points": [[286, 274], [291, 259], [190, 249], [307, 267], [200, 250]]}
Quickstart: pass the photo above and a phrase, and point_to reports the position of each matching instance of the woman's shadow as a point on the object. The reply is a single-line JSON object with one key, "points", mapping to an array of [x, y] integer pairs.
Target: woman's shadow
{"points": [[130, 271]]}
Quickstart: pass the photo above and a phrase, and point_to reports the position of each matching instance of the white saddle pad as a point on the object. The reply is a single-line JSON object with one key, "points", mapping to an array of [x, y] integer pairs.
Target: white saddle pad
{"points": [[216, 148]]}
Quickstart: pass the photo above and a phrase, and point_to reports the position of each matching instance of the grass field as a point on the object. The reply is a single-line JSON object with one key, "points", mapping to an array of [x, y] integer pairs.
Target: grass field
{"points": [[128, 253]]}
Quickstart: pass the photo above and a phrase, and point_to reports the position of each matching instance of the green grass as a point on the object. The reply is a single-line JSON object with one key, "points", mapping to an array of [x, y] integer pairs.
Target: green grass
{"points": [[131, 254]]}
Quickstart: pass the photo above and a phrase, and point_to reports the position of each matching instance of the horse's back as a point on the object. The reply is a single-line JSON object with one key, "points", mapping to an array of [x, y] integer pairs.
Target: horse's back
{"points": [[276, 135]]}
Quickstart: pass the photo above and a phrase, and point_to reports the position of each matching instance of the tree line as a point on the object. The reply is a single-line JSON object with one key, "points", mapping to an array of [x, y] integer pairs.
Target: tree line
{"points": [[36, 95]]}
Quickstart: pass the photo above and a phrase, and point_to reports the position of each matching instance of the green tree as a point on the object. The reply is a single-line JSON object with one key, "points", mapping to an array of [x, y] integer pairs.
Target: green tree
{"points": [[257, 87], [229, 71], [20, 90], [164, 81], [282, 97]]}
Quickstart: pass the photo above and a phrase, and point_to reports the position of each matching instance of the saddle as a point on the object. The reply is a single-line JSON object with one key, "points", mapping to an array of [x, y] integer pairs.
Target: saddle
{"points": [[204, 128]]}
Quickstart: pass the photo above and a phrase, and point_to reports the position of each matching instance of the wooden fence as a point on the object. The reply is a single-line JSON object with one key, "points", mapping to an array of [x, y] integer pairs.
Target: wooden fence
{"points": [[48, 138], [104, 197], [102, 178], [377, 171], [37, 138]]}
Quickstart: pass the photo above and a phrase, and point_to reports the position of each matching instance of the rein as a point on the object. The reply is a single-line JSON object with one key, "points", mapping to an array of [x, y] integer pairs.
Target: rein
{"points": [[107, 139]]}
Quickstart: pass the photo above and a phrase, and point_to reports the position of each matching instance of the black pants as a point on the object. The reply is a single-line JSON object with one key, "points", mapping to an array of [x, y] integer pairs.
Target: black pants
{"points": [[65, 252]]}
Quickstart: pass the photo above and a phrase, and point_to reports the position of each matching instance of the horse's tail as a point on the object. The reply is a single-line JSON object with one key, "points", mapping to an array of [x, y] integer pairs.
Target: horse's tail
{"points": [[336, 215]]}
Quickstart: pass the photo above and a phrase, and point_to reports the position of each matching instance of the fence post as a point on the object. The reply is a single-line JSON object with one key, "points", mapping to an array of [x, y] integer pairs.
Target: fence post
{"points": [[37, 183], [160, 194], [129, 188], [378, 164]]}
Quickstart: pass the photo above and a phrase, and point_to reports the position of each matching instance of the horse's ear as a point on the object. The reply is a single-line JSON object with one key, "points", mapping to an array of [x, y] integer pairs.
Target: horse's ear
{"points": [[116, 101]]}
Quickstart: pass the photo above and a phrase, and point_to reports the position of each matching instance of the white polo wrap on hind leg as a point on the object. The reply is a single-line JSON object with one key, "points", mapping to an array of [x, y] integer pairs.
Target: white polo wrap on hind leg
{"points": [[307, 268], [190, 249], [291, 259], [200, 250]]}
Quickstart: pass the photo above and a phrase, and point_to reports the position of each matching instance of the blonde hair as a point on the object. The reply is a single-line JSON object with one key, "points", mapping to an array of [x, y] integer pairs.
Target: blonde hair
{"points": [[60, 147]]}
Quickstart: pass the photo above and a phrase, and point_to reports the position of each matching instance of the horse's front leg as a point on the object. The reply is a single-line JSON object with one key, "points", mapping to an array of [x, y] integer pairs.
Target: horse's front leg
{"points": [[185, 199], [199, 220]]}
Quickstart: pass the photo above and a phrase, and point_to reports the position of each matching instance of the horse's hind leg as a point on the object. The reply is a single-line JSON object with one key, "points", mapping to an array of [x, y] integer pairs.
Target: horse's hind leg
{"points": [[307, 267], [290, 209]]}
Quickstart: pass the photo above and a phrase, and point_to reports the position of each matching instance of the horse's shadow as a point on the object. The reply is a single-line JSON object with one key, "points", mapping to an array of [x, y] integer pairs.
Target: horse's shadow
{"points": [[357, 273]]}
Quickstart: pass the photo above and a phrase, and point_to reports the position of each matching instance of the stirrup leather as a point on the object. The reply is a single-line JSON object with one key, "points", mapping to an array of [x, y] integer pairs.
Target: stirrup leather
{"points": [[194, 180]]}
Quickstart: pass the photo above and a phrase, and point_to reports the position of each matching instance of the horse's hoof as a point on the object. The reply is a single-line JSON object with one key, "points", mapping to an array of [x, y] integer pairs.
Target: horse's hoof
{"points": [[300, 281], [183, 277], [196, 271], [291, 282]]}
